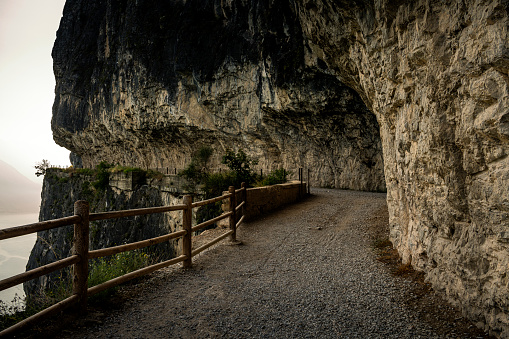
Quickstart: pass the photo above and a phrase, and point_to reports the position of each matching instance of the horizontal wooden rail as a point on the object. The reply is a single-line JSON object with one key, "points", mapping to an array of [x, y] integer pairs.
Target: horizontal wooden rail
{"points": [[38, 272], [134, 212], [211, 221], [240, 190], [134, 246], [239, 206], [204, 247], [239, 222], [58, 307], [210, 201], [135, 274], [36, 227]]}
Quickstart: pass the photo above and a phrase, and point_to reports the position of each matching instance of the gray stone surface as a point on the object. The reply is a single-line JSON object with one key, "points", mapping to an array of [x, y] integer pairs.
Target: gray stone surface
{"points": [[436, 77], [142, 85]]}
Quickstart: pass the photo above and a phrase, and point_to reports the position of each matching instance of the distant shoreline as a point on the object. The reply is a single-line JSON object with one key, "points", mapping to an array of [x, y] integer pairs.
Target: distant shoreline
{"points": [[14, 252]]}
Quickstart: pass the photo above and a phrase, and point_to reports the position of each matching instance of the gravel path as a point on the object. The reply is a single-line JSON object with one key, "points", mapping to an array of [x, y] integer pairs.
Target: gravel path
{"points": [[308, 271]]}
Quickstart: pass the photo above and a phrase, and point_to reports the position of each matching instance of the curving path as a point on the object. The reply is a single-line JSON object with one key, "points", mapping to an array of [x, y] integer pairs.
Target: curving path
{"points": [[288, 279]]}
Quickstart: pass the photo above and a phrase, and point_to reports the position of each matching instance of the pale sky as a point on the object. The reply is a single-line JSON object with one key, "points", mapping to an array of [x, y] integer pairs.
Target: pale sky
{"points": [[27, 33]]}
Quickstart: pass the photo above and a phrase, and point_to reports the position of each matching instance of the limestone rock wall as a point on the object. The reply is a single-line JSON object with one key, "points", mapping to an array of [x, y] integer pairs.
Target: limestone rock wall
{"points": [[141, 84], [147, 83], [436, 76], [264, 200]]}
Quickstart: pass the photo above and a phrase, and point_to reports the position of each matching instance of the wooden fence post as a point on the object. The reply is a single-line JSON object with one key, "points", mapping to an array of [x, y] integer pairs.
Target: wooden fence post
{"points": [[309, 183], [81, 243], [244, 197], [187, 219], [233, 218], [301, 179]]}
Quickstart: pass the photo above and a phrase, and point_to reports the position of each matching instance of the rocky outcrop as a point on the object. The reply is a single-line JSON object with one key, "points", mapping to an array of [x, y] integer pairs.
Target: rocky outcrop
{"points": [[436, 76], [147, 82], [61, 190], [141, 84]]}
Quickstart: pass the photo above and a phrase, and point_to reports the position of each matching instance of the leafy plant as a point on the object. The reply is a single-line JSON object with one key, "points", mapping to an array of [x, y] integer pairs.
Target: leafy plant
{"points": [[102, 176], [21, 308], [155, 174], [208, 212], [41, 167], [104, 269], [13, 312], [86, 191], [197, 171], [216, 183], [241, 164], [203, 157], [125, 169], [278, 176], [85, 171]]}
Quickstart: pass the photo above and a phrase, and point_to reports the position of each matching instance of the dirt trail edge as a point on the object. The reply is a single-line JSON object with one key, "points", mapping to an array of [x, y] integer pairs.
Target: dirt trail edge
{"points": [[309, 270]]}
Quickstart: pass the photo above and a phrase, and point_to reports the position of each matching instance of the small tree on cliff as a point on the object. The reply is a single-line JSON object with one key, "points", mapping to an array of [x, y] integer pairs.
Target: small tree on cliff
{"points": [[102, 176], [41, 167], [198, 170], [241, 164]]}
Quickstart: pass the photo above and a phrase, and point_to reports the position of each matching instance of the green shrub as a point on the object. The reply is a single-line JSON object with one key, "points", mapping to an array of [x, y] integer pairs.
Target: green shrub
{"points": [[104, 269], [155, 175], [63, 180], [21, 308], [203, 156], [102, 175], [86, 191], [192, 176], [197, 171], [100, 271], [126, 169], [278, 176], [216, 183], [13, 312], [208, 212], [240, 163], [85, 171]]}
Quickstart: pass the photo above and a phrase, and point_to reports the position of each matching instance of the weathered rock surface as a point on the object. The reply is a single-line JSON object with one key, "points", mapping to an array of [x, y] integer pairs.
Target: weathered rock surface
{"points": [[436, 76], [60, 191], [147, 83], [143, 85]]}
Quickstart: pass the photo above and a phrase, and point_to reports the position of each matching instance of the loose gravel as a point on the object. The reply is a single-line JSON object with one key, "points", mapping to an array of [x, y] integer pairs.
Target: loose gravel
{"points": [[307, 271]]}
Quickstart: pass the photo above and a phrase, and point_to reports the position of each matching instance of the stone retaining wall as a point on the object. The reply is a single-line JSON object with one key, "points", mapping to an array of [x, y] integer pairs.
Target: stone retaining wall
{"points": [[262, 200]]}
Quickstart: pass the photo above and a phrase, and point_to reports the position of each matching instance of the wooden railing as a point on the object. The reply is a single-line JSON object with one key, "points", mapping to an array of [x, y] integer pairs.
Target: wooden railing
{"points": [[81, 253]]}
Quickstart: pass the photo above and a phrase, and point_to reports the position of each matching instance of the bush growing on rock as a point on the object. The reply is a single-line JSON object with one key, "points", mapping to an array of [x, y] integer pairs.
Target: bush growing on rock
{"points": [[241, 164], [278, 176]]}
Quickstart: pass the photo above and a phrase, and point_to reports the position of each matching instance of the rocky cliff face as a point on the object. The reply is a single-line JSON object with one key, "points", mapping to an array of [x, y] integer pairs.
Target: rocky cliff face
{"points": [[60, 191], [146, 83], [436, 76]]}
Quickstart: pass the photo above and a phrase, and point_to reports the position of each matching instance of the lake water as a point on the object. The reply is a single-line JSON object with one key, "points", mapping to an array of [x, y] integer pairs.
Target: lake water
{"points": [[14, 252]]}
